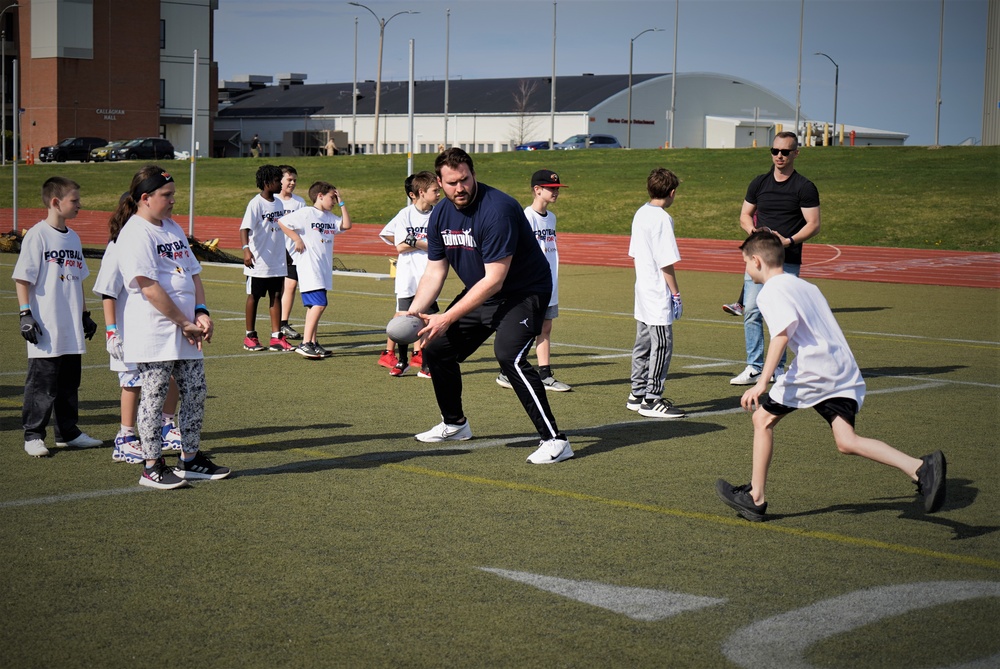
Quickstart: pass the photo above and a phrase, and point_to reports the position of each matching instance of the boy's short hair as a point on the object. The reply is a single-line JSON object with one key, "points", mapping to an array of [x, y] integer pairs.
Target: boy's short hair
{"points": [[287, 169], [661, 182], [422, 181], [453, 158], [788, 134], [320, 188], [58, 188], [267, 174], [765, 245]]}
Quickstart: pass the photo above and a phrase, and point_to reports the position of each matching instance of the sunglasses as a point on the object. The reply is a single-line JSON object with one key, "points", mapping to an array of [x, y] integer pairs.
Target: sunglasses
{"points": [[784, 152]]}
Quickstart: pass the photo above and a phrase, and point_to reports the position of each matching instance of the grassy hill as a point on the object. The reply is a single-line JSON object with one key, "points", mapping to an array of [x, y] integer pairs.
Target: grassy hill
{"points": [[911, 197]]}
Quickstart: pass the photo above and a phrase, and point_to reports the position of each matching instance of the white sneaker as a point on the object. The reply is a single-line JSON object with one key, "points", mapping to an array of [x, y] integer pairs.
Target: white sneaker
{"points": [[551, 451], [83, 441], [445, 432], [503, 382], [747, 377], [550, 383], [36, 448]]}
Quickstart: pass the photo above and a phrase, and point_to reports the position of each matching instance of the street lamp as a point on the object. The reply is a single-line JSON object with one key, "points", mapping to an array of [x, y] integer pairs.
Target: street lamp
{"points": [[628, 140], [836, 83], [378, 81], [3, 83]]}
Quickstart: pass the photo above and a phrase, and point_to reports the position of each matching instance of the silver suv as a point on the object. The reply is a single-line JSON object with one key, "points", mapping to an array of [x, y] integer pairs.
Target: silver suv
{"points": [[590, 142]]}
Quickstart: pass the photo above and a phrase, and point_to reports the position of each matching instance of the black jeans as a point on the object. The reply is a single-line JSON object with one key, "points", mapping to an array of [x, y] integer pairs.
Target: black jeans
{"points": [[52, 383], [517, 320]]}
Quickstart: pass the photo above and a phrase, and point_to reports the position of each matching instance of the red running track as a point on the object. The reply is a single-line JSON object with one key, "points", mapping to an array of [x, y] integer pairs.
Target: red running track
{"points": [[851, 263]]}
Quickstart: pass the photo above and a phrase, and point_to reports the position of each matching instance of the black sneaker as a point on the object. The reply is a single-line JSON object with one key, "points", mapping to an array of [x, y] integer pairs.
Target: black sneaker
{"points": [[290, 333], [200, 467], [738, 497], [931, 480], [633, 403], [308, 350], [322, 351], [660, 408], [161, 477]]}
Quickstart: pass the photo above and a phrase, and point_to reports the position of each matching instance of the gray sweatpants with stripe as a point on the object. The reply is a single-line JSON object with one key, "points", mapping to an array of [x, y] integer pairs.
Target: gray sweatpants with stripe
{"points": [[654, 345]]}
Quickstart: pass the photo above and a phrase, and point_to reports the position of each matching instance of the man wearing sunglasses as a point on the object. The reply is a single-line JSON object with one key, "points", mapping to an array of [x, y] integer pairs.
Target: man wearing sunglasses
{"points": [[786, 203]]}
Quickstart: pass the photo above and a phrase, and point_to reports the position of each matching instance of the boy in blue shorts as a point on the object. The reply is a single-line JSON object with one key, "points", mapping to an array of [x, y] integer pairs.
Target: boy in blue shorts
{"points": [[48, 278], [311, 230], [823, 375]]}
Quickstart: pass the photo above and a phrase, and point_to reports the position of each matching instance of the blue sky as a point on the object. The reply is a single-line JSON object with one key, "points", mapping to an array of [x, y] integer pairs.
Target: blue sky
{"points": [[887, 50]]}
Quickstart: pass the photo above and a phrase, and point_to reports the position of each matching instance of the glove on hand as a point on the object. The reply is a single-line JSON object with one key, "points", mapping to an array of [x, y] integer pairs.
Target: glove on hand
{"points": [[29, 327], [411, 240], [89, 326], [677, 305], [114, 346]]}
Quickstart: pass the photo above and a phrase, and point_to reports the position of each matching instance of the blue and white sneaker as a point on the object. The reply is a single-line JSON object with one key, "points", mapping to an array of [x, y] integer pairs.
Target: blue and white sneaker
{"points": [[127, 449], [171, 437]]}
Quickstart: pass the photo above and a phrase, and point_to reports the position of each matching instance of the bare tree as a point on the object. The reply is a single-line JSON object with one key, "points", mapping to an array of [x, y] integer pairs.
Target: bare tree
{"points": [[524, 121]]}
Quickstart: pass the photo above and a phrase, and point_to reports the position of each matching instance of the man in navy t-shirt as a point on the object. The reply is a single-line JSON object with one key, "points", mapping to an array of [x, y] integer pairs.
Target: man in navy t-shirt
{"points": [[483, 234]]}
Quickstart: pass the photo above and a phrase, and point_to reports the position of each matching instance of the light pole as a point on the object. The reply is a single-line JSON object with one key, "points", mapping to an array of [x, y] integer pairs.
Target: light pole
{"points": [[3, 84], [353, 148], [836, 83], [628, 132], [378, 80]]}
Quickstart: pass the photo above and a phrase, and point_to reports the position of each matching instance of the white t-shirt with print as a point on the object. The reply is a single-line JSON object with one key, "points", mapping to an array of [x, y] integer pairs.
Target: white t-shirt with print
{"points": [[410, 266], [52, 262], [824, 366], [294, 203], [109, 282], [652, 247], [544, 228], [160, 253], [315, 263], [267, 241]]}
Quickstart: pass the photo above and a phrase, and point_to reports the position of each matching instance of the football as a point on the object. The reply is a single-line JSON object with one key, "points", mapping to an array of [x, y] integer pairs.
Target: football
{"points": [[403, 329]]}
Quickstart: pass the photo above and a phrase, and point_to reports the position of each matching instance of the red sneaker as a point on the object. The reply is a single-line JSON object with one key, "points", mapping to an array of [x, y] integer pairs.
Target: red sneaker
{"points": [[399, 369], [280, 344], [417, 359], [388, 359]]}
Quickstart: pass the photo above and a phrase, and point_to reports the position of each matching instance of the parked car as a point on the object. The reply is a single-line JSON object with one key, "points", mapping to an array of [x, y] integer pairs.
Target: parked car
{"points": [[533, 146], [143, 148], [590, 142], [71, 148], [100, 154]]}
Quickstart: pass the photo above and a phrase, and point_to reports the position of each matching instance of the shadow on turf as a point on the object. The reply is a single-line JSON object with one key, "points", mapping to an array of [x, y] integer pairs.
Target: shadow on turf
{"points": [[857, 310], [624, 434], [362, 461], [961, 493], [909, 371]]}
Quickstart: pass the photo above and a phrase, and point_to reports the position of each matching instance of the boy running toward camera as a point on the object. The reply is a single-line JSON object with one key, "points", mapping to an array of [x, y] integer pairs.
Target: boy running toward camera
{"points": [[311, 230], [823, 375]]}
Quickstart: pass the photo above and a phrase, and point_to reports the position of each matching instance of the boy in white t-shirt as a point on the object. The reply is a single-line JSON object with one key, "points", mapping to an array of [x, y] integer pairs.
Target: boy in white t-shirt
{"points": [[48, 279], [823, 375], [653, 248], [311, 230], [291, 202], [545, 187], [407, 232], [264, 258]]}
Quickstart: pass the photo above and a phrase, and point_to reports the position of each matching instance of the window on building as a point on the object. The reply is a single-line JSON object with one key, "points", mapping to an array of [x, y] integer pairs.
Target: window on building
{"points": [[163, 93], [163, 33]]}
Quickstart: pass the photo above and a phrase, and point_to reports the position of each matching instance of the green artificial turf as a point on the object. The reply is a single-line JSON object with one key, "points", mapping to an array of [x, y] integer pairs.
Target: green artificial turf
{"points": [[342, 541], [910, 197]]}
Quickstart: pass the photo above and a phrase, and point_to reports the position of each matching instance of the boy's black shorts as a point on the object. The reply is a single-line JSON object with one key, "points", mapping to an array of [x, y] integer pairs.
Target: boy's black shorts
{"points": [[403, 304], [293, 272], [828, 409], [259, 286]]}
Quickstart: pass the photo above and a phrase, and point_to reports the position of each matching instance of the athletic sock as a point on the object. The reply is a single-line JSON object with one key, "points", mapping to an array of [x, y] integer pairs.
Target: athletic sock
{"points": [[544, 371]]}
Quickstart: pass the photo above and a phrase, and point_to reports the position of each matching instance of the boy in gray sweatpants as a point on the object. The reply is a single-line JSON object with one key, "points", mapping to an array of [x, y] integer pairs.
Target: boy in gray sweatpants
{"points": [[657, 297]]}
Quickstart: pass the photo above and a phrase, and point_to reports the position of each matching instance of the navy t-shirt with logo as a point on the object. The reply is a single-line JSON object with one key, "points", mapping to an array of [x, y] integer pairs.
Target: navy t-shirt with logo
{"points": [[492, 227]]}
